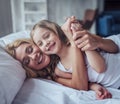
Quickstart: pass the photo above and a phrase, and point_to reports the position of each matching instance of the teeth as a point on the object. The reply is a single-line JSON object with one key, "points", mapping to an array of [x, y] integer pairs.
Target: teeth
{"points": [[40, 60]]}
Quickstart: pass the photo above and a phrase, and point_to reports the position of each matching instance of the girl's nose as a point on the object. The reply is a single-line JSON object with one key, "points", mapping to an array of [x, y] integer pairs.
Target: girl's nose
{"points": [[47, 43]]}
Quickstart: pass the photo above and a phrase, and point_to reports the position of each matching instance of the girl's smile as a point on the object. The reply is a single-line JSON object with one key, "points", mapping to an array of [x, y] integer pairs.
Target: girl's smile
{"points": [[47, 41], [51, 46]]}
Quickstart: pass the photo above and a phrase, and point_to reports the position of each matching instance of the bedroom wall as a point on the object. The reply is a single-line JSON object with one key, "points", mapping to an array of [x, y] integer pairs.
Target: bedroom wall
{"points": [[57, 11], [5, 17]]}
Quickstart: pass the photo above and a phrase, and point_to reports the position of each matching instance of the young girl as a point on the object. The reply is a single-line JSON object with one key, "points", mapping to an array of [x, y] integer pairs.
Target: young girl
{"points": [[51, 40]]}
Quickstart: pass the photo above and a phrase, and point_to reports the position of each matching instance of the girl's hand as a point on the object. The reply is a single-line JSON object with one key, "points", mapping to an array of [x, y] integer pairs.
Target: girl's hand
{"points": [[76, 26], [66, 27]]}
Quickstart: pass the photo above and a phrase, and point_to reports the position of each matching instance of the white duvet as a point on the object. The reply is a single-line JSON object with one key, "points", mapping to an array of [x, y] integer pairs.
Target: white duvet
{"points": [[38, 91]]}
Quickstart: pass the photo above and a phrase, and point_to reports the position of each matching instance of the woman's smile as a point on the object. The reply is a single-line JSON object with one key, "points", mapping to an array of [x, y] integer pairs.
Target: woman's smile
{"points": [[40, 58]]}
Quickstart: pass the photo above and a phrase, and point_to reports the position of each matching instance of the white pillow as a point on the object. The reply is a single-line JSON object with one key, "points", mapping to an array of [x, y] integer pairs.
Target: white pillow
{"points": [[13, 36], [12, 74]]}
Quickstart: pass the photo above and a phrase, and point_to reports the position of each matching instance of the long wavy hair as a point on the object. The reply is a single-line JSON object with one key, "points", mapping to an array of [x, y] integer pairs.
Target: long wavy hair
{"points": [[47, 72]]}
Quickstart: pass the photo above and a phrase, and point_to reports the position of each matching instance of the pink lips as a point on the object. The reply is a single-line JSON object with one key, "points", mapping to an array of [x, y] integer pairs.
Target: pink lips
{"points": [[51, 46]]}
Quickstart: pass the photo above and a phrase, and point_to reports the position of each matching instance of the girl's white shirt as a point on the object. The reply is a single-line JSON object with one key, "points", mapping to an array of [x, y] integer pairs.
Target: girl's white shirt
{"points": [[109, 78]]}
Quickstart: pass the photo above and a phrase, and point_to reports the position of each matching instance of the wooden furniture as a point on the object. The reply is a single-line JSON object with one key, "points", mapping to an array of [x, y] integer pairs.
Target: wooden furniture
{"points": [[88, 19]]}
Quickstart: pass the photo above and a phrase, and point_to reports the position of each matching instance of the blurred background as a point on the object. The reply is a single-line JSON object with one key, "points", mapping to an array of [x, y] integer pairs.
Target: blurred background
{"points": [[101, 17]]}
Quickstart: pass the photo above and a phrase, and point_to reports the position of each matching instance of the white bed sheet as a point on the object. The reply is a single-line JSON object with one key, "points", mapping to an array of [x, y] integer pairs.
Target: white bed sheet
{"points": [[39, 91]]}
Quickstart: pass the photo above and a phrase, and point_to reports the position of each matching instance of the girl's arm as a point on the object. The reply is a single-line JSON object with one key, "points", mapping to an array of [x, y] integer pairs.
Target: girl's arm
{"points": [[96, 61], [79, 75], [62, 74], [79, 78]]}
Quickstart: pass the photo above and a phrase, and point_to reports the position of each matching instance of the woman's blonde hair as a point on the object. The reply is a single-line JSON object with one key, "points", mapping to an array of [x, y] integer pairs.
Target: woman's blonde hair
{"points": [[52, 27], [47, 72]]}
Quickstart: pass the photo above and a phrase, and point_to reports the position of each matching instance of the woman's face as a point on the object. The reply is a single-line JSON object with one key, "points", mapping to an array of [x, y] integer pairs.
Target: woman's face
{"points": [[31, 56], [47, 41]]}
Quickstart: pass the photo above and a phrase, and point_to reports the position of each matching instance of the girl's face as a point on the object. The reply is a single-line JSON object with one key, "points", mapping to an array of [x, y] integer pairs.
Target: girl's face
{"points": [[31, 56], [47, 41]]}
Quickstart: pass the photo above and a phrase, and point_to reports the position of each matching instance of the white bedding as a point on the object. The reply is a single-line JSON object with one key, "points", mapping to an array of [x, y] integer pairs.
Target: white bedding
{"points": [[38, 91]]}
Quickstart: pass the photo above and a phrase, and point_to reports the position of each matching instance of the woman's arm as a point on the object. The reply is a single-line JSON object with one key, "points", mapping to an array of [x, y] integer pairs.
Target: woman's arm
{"points": [[87, 41], [96, 61], [107, 45]]}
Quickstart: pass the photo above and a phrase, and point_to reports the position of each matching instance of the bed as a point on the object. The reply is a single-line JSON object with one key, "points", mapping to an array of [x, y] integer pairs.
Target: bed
{"points": [[16, 89]]}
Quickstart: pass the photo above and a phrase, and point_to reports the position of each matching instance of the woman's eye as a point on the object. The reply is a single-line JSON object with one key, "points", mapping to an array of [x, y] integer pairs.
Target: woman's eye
{"points": [[29, 50], [26, 61], [46, 36]]}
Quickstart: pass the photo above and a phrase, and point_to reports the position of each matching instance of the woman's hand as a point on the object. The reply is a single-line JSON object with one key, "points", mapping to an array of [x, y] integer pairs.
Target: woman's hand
{"points": [[86, 41], [101, 92]]}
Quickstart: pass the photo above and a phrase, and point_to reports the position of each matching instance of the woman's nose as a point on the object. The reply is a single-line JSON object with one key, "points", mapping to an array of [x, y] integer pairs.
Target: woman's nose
{"points": [[33, 56]]}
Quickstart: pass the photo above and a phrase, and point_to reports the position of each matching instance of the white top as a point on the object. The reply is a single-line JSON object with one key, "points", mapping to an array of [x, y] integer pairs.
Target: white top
{"points": [[111, 77]]}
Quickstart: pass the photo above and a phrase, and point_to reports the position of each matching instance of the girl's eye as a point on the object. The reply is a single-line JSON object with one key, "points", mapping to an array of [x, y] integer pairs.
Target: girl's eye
{"points": [[40, 44], [29, 49], [26, 61], [46, 36]]}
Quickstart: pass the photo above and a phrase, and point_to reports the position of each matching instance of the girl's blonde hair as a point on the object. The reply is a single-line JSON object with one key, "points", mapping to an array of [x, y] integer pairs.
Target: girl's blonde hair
{"points": [[47, 72], [52, 27]]}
